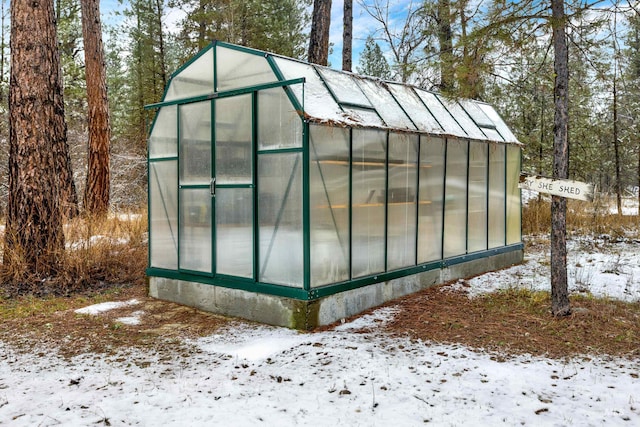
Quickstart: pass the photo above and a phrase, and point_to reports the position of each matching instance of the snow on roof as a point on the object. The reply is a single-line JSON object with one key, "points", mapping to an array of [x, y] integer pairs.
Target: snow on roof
{"points": [[346, 99]]}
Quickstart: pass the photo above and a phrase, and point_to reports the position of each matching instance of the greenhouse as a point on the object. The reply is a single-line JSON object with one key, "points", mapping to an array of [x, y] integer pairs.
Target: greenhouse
{"points": [[296, 195]]}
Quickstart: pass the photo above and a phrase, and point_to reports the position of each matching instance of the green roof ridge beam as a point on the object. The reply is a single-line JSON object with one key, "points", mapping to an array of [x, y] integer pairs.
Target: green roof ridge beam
{"points": [[292, 98], [226, 94]]}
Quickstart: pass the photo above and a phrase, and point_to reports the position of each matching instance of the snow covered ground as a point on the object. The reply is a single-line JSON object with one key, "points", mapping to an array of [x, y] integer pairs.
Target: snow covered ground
{"points": [[259, 375]]}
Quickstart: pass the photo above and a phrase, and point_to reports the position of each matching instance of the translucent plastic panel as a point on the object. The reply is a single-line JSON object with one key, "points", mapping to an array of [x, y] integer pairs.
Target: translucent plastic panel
{"points": [[415, 108], [441, 114], [462, 118], [234, 231], [496, 195], [317, 100], [195, 143], [385, 104], [344, 87], [363, 116], [279, 125], [234, 138], [369, 149], [430, 198], [163, 141], [195, 230], [455, 205], [514, 210], [280, 218], [237, 69], [194, 80], [402, 200], [163, 206], [492, 134], [477, 217], [498, 122], [329, 195], [476, 113]]}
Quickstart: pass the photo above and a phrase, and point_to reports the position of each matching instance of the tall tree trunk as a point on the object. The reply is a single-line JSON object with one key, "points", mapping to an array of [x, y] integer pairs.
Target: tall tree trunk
{"points": [[559, 288], [202, 24], [160, 38], [319, 37], [34, 238], [67, 186], [347, 35], [140, 86], [445, 40], [96, 192], [2, 48], [616, 144]]}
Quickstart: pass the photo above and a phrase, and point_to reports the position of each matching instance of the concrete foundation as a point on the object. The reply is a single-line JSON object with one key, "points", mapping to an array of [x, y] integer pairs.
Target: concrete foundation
{"points": [[293, 313]]}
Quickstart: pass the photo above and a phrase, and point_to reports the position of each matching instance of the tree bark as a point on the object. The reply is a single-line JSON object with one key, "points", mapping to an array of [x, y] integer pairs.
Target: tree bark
{"points": [[67, 186], [34, 240], [559, 289], [347, 36], [96, 192], [319, 37], [445, 40]]}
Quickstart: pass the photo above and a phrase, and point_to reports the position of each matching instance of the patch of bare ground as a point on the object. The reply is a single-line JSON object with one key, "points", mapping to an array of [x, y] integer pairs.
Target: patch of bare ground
{"points": [[54, 324], [509, 322], [519, 322]]}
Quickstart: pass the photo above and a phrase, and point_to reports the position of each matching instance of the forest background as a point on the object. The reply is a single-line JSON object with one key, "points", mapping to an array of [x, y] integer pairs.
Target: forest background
{"points": [[496, 51]]}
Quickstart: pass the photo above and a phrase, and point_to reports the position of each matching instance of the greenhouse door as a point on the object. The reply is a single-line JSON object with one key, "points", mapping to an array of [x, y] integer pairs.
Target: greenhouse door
{"points": [[216, 203], [233, 186]]}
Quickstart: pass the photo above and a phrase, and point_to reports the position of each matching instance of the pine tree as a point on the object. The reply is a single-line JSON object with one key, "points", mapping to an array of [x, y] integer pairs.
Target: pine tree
{"points": [[347, 35], [559, 287], [319, 37], [96, 191], [271, 25], [34, 239], [372, 61], [147, 63]]}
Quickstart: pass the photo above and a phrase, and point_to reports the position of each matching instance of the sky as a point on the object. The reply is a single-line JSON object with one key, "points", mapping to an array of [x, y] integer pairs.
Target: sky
{"points": [[352, 375], [363, 25]]}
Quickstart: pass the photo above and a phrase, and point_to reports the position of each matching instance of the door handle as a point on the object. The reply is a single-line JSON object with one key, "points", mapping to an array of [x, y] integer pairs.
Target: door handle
{"points": [[212, 187]]}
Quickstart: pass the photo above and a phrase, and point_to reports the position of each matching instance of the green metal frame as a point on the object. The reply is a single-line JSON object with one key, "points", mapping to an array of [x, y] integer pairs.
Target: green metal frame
{"points": [[306, 292], [227, 93], [323, 291]]}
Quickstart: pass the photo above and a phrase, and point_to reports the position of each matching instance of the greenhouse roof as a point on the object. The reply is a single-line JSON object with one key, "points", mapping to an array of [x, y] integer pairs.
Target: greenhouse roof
{"points": [[325, 95]]}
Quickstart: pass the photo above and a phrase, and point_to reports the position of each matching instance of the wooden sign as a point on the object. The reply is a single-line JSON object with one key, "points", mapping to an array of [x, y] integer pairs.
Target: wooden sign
{"points": [[558, 187]]}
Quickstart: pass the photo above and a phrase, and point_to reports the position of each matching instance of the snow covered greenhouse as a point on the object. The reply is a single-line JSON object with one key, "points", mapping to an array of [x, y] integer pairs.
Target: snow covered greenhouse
{"points": [[296, 195]]}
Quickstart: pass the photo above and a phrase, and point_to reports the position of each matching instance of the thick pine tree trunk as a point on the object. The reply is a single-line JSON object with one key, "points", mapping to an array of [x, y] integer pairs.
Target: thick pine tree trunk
{"points": [[319, 37], [34, 239], [347, 35], [445, 40], [559, 287], [96, 192]]}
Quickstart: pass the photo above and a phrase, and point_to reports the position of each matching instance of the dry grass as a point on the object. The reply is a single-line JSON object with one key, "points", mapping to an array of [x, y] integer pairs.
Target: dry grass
{"points": [[583, 218], [519, 321], [100, 253]]}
